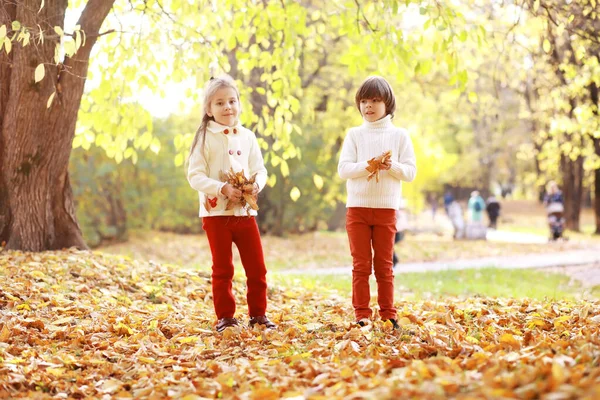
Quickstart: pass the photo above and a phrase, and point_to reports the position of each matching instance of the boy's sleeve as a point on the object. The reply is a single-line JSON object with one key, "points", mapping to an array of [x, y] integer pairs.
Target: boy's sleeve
{"points": [[256, 163], [348, 167], [198, 173], [405, 168]]}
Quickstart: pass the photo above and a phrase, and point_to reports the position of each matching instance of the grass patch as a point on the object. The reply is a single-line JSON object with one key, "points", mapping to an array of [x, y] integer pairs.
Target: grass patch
{"points": [[492, 282]]}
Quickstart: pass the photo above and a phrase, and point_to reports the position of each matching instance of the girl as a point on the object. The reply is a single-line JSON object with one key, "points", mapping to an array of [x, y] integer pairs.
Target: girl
{"points": [[222, 143], [372, 205]]}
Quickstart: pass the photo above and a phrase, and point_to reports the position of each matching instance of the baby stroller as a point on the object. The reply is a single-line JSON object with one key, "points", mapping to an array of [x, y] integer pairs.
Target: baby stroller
{"points": [[556, 220]]}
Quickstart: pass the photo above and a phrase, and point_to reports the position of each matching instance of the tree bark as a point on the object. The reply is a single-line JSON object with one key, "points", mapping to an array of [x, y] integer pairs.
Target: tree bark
{"points": [[596, 140], [36, 140], [572, 190]]}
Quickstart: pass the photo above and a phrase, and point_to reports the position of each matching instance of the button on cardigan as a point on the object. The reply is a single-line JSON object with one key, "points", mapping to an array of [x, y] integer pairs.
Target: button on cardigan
{"points": [[224, 150]]}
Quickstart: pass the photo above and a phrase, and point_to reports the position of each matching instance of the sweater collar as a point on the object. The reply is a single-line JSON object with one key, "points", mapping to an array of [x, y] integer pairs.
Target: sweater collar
{"points": [[215, 127], [383, 123]]}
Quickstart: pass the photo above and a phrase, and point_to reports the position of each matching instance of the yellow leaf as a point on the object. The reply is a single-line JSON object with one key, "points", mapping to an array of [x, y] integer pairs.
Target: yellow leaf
{"points": [[40, 72], [509, 339], [58, 372], [38, 274], [546, 46], [4, 334], [295, 194], [49, 103], [147, 360], [189, 339], [471, 339], [122, 329], [346, 373], [318, 181]]}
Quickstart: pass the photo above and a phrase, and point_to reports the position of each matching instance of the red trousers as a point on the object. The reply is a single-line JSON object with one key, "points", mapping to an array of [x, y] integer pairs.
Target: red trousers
{"points": [[372, 228], [222, 232]]}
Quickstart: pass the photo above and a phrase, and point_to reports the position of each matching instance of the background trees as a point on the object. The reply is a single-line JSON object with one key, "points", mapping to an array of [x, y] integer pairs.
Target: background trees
{"points": [[502, 95]]}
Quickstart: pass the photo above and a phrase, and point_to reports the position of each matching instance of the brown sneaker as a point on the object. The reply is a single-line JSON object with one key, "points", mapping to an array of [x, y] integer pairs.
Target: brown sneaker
{"points": [[262, 320], [225, 323]]}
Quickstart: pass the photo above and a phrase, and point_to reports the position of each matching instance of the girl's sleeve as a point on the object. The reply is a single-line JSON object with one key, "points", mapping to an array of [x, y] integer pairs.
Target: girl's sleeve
{"points": [[348, 167], [405, 168], [256, 163], [198, 173]]}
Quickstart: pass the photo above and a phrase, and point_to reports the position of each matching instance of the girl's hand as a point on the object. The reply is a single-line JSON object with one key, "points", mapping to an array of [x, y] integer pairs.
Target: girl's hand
{"points": [[387, 164], [233, 194], [251, 189]]}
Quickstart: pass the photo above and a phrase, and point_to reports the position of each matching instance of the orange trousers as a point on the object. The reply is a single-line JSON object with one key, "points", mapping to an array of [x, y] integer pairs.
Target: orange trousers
{"points": [[372, 228], [222, 232]]}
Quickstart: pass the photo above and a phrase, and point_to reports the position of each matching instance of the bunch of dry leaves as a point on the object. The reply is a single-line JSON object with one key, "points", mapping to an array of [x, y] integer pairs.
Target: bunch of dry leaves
{"points": [[79, 324], [375, 164], [246, 185]]}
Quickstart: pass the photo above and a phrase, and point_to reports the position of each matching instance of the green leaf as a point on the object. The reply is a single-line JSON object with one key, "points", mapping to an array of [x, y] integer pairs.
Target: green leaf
{"points": [[473, 97], [16, 26], [40, 72]]}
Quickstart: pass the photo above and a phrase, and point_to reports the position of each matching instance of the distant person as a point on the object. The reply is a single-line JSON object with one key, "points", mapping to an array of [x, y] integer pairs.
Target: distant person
{"points": [[493, 210], [401, 227], [554, 203], [372, 205], [476, 206], [433, 203], [448, 199], [455, 213], [213, 151]]}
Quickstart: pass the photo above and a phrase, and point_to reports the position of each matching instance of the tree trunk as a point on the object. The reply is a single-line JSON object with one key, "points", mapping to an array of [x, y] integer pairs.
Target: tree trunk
{"points": [[596, 140], [36, 141], [572, 190]]}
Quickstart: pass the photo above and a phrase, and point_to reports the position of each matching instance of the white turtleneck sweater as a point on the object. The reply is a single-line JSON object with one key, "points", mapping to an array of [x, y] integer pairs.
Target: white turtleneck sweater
{"points": [[369, 140]]}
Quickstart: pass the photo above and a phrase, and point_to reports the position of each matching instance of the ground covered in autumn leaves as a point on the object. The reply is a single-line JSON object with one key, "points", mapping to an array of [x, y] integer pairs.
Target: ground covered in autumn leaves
{"points": [[80, 324]]}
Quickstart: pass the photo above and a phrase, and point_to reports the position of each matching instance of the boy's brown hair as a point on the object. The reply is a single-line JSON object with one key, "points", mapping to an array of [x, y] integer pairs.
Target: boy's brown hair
{"points": [[375, 87]]}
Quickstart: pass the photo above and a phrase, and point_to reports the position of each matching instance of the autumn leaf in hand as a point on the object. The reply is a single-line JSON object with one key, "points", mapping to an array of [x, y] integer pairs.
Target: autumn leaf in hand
{"points": [[375, 164], [239, 181]]}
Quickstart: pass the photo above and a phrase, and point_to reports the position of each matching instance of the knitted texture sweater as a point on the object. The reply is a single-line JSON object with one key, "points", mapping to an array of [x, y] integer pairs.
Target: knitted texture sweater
{"points": [[369, 140]]}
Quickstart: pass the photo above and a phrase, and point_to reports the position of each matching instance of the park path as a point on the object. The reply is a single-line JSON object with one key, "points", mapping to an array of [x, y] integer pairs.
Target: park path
{"points": [[583, 265]]}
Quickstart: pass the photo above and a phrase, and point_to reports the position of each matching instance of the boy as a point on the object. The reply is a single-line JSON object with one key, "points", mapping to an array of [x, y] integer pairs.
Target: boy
{"points": [[372, 204]]}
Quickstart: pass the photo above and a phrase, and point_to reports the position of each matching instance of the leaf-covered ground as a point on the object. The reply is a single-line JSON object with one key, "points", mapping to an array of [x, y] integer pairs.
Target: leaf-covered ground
{"points": [[77, 324]]}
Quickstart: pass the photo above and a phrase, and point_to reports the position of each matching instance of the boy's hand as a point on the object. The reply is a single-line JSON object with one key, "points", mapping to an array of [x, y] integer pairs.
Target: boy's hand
{"points": [[383, 162], [386, 165]]}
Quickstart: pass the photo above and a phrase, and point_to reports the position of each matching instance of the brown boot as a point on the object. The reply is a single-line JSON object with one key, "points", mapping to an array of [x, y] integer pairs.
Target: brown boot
{"points": [[225, 323], [262, 320]]}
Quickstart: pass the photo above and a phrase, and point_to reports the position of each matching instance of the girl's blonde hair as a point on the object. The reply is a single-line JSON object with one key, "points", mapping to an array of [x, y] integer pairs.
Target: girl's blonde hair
{"points": [[211, 88]]}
